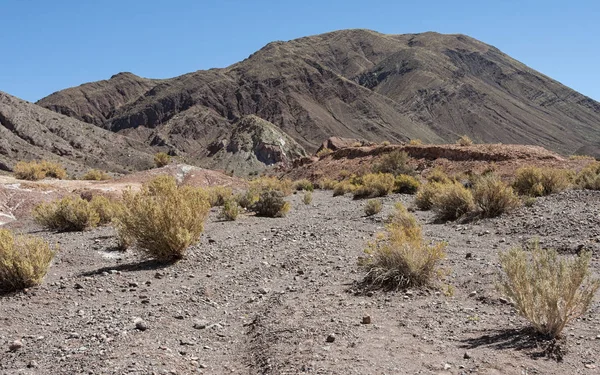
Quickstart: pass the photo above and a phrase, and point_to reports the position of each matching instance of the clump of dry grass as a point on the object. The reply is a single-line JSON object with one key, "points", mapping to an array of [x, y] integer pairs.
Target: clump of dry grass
{"points": [[37, 170], [107, 209], [230, 210], [307, 198], [373, 206], [271, 204], [326, 183], [464, 141], [96, 175], [547, 290], [415, 142], [374, 185], [401, 258], [24, 261], [589, 177], [425, 195], [163, 219], [324, 152], [395, 163], [67, 214], [536, 182], [162, 159], [438, 175], [343, 187], [218, 195], [452, 201], [494, 197], [303, 185], [406, 184]]}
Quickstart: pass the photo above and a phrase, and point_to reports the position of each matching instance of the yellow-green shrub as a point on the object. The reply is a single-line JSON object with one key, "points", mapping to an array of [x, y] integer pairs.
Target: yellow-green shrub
{"points": [[35, 170], [24, 261], [307, 198], [107, 209], [373, 206], [95, 175], [271, 204], [271, 183], [230, 210], [401, 258], [547, 290], [464, 141], [326, 183], [324, 152], [415, 142], [396, 163], [67, 214], [401, 217], [164, 219], [304, 184], [343, 187], [161, 159], [375, 185], [218, 195], [406, 184], [494, 197], [589, 177], [425, 195], [438, 175], [452, 201], [538, 182]]}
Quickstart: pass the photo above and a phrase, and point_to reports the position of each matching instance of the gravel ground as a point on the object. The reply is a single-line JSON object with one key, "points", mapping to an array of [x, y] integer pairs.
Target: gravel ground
{"points": [[279, 296]]}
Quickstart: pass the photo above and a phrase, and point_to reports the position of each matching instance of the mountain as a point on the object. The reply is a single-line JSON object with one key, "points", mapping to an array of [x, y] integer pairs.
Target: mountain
{"points": [[352, 83], [28, 131]]}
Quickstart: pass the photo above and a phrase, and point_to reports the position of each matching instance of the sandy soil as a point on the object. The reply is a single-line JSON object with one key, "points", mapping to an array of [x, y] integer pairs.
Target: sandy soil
{"points": [[264, 296]]}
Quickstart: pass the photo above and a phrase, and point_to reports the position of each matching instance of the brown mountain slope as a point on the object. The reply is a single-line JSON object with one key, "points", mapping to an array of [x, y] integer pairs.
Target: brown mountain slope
{"points": [[28, 131], [362, 84]]}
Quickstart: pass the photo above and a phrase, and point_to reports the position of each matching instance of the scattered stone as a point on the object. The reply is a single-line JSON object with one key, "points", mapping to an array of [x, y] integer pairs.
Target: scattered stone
{"points": [[263, 290], [330, 338], [590, 365], [366, 319], [370, 293], [467, 355], [503, 300], [469, 256], [15, 345], [473, 293], [201, 324], [447, 366], [32, 364], [78, 286], [140, 324]]}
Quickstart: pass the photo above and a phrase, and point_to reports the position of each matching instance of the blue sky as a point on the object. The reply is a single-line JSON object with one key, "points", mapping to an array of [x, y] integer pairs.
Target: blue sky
{"points": [[46, 46]]}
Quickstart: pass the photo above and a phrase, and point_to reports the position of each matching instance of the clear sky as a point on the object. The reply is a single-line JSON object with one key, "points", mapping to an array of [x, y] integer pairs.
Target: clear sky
{"points": [[46, 46]]}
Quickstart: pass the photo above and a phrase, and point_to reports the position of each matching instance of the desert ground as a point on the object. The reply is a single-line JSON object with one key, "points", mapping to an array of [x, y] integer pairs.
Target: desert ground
{"points": [[283, 296]]}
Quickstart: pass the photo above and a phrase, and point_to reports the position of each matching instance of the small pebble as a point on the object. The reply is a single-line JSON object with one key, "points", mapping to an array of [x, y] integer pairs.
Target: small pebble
{"points": [[15, 345], [330, 338]]}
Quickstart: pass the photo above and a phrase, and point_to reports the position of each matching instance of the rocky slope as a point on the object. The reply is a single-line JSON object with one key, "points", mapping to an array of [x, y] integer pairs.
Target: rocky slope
{"points": [[354, 84], [28, 131]]}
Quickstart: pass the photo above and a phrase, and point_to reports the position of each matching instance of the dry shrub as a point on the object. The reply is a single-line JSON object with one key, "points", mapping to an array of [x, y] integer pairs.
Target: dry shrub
{"points": [[161, 159], [271, 204], [326, 183], [375, 185], [395, 163], [537, 182], [307, 198], [401, 258], [303, 184], [324, 152], [230, 210], [425, 195], [589, 177], [106, 208], [356, 144], [401, 217], [546, 289], [373, 206], [438, 175], [218, 195], [35, 170], [494, 197], [271, 183], [24, 261], [385, 143], [406, 184], [464, 141], [452, 201], [96, 175], [415, 142], [343, 187], [164, 219], [67, 214]]}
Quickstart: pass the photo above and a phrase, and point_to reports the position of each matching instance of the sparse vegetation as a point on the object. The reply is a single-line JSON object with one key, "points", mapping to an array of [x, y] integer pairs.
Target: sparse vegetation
{"points": [[343, 187], [95, 175], [406, 184], [164, 219], [546, 289], [24, 261], [385, 143], [536, 182], [230, 210], [107, 209], [415, 142], [589, 177], [326, 183], [324, 152], [67, 214], [494, 197], [162, 159], [303, 184], [452, 201], [464, 141], [218, 195], [401, 258], [425, 195], [373, 206], [438, 175], [37, 170], [307, 198], [271, 204], [395, 163], [375, 185]]}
